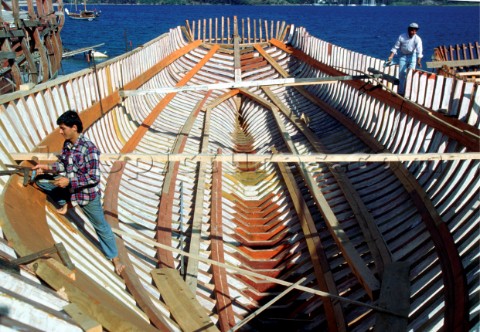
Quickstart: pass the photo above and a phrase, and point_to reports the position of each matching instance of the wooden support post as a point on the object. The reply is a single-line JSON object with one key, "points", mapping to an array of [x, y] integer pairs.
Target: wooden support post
{"points": [[236, 48]]}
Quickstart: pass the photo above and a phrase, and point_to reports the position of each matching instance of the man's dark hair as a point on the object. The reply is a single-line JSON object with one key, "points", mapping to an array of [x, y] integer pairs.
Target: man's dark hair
{"points": [[69, 119]]}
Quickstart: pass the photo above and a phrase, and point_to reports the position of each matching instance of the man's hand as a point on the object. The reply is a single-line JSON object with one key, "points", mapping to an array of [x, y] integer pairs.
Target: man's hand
{"points": [[61, 182], [419, 63], [40, 168]]}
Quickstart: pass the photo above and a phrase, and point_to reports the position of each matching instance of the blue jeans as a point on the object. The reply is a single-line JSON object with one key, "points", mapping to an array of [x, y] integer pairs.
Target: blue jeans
{"points": [[405, 63], [93, 210]]}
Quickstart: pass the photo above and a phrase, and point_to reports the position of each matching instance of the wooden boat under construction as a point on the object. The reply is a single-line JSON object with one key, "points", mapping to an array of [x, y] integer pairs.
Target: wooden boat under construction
{"points": [[257, 178]]}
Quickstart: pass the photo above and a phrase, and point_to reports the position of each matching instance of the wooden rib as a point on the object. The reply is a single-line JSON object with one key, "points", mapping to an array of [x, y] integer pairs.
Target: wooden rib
{"points": [[164, 215], [222, 294], [192, 266], [356, 263], [111, 201], [373, 237], [456, 289], [321, 267], [150, 119], [453, 128], [43, 54]]}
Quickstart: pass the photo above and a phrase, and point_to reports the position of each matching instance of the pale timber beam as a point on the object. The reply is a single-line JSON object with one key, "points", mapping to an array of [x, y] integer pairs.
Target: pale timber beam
{"points": [[454, 63], [291, 81], [264, 158]]}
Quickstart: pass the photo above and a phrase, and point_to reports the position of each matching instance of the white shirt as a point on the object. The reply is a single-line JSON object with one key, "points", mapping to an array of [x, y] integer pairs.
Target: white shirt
{"points": [[408, 45]]}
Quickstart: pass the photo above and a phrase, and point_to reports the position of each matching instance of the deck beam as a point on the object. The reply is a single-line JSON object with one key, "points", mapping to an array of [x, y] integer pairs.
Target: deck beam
{"points": [[290, 81], [268, 158]]}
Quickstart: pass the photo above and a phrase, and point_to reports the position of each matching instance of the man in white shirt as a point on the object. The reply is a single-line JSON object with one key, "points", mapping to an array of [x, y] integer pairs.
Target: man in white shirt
{"points": [[409, 48]]}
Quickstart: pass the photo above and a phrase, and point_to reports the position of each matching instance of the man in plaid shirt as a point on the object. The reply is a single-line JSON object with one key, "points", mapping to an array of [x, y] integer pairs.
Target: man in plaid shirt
{"points": [[78, 181]]}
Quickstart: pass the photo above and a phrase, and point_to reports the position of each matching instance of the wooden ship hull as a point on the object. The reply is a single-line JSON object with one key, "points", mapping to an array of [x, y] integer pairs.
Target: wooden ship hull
{"points": [[257, 178], [461, 61], [30, 44]]}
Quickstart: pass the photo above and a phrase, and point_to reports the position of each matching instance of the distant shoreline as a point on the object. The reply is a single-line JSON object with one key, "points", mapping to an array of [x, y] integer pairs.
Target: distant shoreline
{"points": [[465, 4]]}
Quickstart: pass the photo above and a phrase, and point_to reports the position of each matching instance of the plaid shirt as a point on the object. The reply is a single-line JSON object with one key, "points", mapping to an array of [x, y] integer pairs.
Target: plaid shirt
{"points": [[79, 162]]}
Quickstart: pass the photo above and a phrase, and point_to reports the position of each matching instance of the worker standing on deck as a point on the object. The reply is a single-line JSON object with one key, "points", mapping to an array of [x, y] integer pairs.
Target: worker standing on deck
{"points": [[409, 48], [78, 181]]}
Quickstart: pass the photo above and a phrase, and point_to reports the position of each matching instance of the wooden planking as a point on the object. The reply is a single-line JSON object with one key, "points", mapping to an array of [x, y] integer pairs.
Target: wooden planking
{"points": [[94, 301], [365, 276], [378, 248], [164, 216], [87, 323], [192, 267], [325, 280], [453, 318], [394, 296], [222, 293], [185, 309]]}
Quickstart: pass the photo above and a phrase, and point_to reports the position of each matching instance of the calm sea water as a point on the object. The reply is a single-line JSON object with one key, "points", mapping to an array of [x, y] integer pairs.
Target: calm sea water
{"points": [[369, 30]]}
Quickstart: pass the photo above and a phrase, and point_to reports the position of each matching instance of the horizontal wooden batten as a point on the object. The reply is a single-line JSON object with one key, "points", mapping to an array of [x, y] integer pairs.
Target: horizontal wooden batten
{"points": [[262, 158], [291, 81], [454, 63]]}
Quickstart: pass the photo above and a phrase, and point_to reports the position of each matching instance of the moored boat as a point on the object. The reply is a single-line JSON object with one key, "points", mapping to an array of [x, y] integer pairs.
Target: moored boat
{"points": [[85, 14], [257, 178]]}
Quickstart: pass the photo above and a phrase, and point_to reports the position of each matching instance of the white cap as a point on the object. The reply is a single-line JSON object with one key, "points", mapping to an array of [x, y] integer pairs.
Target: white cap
{"points": [[413, 26]]}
